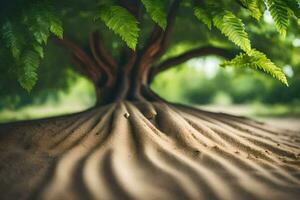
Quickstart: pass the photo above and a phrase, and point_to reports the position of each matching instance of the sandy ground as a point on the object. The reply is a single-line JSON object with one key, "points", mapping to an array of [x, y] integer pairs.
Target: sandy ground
{"points": [[37, 112], [143, 150], [292, 123], [284, 122]]}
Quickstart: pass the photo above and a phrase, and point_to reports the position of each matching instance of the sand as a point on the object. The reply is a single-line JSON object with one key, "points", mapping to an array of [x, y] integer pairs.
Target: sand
{"points": [[142, 150]]}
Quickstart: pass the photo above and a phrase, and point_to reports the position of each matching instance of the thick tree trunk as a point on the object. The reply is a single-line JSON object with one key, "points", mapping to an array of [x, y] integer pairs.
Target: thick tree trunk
{"points": [[125, 86], [115, 81]]}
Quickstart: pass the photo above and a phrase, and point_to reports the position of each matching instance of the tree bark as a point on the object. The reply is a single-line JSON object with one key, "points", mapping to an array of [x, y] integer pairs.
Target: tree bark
{"points": [[198, 52], [126, 80], [130, 78]]}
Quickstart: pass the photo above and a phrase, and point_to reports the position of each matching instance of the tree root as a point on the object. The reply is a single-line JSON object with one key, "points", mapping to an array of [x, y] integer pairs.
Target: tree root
{"points": [[148, 150]]}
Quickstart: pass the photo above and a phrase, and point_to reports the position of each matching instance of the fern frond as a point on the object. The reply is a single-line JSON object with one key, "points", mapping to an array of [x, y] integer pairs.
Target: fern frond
{"points": [[155, 8], [43, 20], [55, 22], [56, 27], [11, 40], [38, 23], [39, 49], [203, 16], [258, 61], [254, 7], [279, 12], [27, 75], [25, 36], [122, 22], [40, 32], [294, 7], [232, 27]]}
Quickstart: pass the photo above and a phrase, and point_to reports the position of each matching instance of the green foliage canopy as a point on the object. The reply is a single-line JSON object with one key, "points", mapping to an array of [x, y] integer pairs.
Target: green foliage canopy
{"points": [[26, 27]]}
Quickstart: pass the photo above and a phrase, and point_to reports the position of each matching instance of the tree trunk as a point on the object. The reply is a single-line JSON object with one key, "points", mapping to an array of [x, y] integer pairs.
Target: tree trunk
{"points": [[134, 145]]}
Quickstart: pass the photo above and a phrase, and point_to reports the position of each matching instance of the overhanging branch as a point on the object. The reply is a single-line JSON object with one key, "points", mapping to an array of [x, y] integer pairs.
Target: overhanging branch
{"points": [[101, 62], [199, 52], [104, 55], [85, 65]]}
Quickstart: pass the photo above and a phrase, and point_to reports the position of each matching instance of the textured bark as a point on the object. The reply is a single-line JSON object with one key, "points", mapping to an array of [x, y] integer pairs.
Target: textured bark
{"points": [[199, 52], [116, 81]]}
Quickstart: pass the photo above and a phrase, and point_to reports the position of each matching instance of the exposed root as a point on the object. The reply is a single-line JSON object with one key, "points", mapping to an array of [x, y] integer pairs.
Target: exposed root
{"points": [[148, 150]]}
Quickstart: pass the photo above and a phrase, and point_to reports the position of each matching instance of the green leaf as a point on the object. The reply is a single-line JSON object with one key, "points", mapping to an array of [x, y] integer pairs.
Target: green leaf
{"points": [[203, 16], [27, 75], [254, 7], [294, 6], [233, 28], [43, 20], [56, 28], [39, 49], [122, 22], [26, 34], [155, 8], [279, 12], [11, 40], [258, 61], [38, 26]]}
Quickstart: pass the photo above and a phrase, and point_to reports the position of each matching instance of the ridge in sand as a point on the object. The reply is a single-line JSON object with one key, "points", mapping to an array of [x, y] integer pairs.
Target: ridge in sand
{"points": [[143, 150]]}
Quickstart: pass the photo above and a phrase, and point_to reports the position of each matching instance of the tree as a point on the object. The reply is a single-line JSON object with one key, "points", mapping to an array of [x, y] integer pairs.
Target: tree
{"points": [[133, 144]]}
